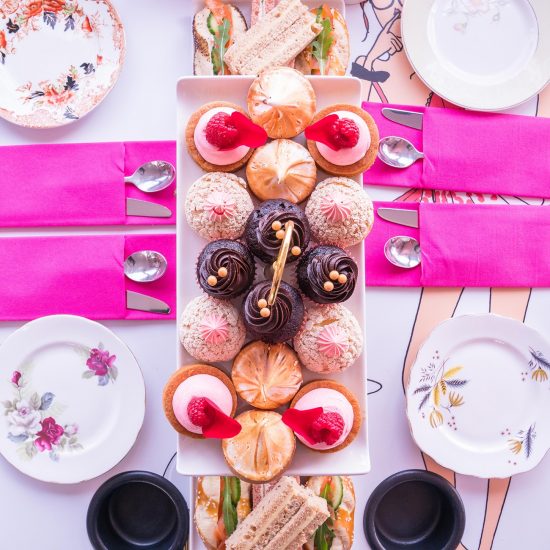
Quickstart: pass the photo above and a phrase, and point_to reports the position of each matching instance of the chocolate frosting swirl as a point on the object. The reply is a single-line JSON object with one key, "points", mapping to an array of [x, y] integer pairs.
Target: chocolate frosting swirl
{"points": [[314, 271], [261, 237], [235, 258], [286, 315]]}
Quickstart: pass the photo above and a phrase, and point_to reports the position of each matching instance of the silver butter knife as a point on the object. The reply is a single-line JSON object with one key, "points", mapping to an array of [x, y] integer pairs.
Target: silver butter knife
{"points": [[399, 216], [412, 119], [141, 302], [136, 207]]}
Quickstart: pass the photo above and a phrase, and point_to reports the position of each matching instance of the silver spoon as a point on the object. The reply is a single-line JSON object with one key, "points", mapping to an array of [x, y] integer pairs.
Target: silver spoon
{"points": [[152, 176], [403, 252], [398, 152], [145, 266]]}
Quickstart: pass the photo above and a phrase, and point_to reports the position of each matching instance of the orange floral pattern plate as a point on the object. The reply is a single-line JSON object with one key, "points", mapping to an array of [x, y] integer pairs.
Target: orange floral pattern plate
{"points": [[478, 397], [58, 59]]}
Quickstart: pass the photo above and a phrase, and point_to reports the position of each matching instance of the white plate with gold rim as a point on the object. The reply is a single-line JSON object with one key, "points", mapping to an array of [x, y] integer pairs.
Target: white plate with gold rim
{"points": [[58, 59], [72, 397], [487, 55], [478, 399]]}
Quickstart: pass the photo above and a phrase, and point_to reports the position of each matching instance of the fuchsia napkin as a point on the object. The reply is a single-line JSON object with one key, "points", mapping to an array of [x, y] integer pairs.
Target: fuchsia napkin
{"points": [[466, 245], [80, 275], [469, 151], [78, 184]]}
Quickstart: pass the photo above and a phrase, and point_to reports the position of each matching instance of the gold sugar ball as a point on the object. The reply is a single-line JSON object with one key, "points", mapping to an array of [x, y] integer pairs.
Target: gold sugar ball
{"points": [[296, 251], [328, 286], [262, 303], [333, 275], [342, 279], [212, 281], [276, 225], [222, 272], [264, 312], [280, 234]]}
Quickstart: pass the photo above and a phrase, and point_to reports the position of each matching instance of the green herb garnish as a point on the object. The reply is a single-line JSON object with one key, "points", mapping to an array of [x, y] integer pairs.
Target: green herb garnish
{"points": [[324, 534], [229, 506], [322, 43], [221, 40]]}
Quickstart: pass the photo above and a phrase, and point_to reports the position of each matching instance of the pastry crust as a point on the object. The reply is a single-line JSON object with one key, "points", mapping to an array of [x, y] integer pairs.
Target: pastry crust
{"points": [[361, 165], [177, 378], [266, 375], [264, 448], [357, 416], [282, 169], [190, 139], [293, 109]]}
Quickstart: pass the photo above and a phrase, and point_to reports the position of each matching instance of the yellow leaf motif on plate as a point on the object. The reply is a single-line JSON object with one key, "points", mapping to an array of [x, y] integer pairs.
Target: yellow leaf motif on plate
{"points": [[515, 445], [436, 419], [437, 397], [451, 372], [539, 375], [455, 399]]}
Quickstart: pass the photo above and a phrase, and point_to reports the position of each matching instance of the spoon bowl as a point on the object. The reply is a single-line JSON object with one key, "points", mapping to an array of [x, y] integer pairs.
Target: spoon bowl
{"points": [[152, 176], [398, 152], [403, 252], [145, 266]]}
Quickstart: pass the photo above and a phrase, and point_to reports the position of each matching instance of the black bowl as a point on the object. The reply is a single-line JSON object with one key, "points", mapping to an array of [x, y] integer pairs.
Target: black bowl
{"points": [[414, 510], [138, 510]]}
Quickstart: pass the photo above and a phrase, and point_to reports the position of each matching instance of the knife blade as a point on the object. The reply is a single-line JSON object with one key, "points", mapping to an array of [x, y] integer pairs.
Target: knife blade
{"points": [[409, 218], [136, 207], [411, 119], [141, 302]]}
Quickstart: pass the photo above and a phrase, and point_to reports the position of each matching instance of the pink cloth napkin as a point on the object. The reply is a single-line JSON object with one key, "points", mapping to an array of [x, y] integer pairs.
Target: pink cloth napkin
{"points": [[469, 151], [78, 184], [79, 275], [466, 246]]}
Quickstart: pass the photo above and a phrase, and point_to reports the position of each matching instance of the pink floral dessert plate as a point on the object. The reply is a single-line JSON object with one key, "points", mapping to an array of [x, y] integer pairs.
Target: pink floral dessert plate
{"points": [[58, 59], [73, 399], [478, 399]]}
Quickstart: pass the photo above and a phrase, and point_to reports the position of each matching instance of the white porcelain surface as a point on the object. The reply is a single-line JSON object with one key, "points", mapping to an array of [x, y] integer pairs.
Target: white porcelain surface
{"points": [[478, 400], [73, 399], [480, 54]]}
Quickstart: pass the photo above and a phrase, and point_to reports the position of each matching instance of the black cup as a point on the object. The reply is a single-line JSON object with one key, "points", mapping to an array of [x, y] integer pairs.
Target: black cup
{"points": [[414, 510], [138, 510]]}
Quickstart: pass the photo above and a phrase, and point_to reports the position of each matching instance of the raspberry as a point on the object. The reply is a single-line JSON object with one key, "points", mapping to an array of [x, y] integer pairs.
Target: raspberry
{"points": [[200, 411], [327, 428], [344, 133], [220, 131]]}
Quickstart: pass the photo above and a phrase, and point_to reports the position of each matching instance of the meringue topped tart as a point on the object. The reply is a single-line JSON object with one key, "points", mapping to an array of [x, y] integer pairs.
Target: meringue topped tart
{"points": [[199, 401], [324, 415], [282, 101], [343, 140], [220, 137]]}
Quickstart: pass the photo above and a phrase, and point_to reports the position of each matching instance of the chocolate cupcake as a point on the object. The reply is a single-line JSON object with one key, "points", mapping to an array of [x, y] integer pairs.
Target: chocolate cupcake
{"points": [[276, 323], [327, 275], [225, 269], [265, 230]]}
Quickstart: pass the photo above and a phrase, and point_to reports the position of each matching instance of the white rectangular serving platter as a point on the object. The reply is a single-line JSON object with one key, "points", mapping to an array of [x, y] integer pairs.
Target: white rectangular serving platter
{"points": [[205, 457]]}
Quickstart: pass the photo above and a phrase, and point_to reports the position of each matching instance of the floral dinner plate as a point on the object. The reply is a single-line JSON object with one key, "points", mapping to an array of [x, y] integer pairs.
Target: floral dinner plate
{"points": [[73, 399], [58, 59], [478, 400]]}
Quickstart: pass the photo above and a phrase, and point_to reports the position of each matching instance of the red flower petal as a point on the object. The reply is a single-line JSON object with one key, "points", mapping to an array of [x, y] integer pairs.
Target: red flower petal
{"points": [[301, 421], [321, 131], [249, 134], [222, 426]]}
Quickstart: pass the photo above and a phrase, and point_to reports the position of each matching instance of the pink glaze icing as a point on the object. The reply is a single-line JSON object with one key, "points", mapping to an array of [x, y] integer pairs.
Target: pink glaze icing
{"points": [[214, 329], [220, 205], [332, 341], [211, 153], [349, 155], [335, 207], [331, 401], [200, 385]]}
